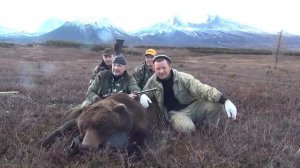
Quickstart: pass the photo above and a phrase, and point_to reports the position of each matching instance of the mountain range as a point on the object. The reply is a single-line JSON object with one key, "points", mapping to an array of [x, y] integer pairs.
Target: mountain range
{"points": [[215, 32]]}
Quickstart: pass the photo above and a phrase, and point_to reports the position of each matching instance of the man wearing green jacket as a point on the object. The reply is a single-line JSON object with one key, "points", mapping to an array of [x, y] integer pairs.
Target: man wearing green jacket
{"points": [[111, 81], [144, 71], [184, 99]]}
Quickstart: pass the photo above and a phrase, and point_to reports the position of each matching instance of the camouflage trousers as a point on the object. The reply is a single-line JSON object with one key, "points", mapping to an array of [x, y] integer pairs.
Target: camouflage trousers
{"points": [[199, 111]]}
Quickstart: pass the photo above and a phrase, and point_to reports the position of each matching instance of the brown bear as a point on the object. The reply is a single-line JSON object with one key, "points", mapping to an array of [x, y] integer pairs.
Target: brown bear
{"points": [[114, 121], [109, 122]]}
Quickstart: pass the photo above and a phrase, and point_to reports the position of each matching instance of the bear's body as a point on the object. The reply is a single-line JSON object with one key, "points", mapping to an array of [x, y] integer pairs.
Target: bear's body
{"points": [[117, 121], [112, 118]]}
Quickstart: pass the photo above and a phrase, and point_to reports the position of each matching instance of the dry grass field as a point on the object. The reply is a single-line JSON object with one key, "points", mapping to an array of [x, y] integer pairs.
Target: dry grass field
{"points": [[51, 80]]}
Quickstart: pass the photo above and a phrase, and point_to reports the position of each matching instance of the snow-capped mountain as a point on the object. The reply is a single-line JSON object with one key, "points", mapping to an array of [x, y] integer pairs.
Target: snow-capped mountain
{"points": [[9, 32], [215, 32], [213, 25], [5, 30], [49, 25], [101, 31], [46, 26], [216, 23]]}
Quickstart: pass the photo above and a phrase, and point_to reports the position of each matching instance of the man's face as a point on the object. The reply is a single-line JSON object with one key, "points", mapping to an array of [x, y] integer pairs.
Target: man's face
{"points": [[118, 69], [149, 61], [107, 58], [162, 69]]}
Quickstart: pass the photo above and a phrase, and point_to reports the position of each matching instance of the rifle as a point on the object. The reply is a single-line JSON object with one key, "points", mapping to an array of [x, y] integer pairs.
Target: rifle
{"points": [[145, 91], [135, 92], [9, 92]]}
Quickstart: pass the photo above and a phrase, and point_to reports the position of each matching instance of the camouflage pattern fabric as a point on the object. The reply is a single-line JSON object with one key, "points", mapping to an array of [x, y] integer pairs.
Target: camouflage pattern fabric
{"points": [[104, 84], [101, 67], [141, 74]]}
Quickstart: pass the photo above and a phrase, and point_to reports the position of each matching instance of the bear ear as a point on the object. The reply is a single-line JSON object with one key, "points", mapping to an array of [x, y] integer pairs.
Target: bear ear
{"points": [[119, 108]]}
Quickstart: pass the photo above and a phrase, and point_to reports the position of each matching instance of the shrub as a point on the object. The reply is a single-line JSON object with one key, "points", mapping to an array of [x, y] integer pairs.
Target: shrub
{"points": [[60, 43]]}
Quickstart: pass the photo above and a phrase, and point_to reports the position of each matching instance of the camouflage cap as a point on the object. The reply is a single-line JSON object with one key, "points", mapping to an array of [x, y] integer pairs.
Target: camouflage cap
{"points": [[108, 51]]}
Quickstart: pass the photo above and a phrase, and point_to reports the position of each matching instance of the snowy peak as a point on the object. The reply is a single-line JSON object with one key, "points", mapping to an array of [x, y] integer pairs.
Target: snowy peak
{"points": [[168, 26], [175, 31], [4, 31], [226, 25], [87, 31], [177, 22], [49, 25], [213, 25]]}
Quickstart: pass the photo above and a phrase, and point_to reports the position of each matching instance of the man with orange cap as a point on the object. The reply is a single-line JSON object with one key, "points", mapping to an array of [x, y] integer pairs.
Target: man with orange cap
{"points": [[144, 71]]}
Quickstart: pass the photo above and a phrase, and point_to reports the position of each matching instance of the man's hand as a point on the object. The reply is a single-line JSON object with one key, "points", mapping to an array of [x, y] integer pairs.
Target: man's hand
{"points": [[133, 95], [230, 109], [144, 100]]}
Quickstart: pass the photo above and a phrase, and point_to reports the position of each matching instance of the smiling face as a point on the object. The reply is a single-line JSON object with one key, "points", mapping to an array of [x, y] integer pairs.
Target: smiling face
{"points": [[118, 69], [162, 69]]}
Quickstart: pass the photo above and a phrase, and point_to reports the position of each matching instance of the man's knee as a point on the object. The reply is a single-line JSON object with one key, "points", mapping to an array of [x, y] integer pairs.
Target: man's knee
{"points": [[182, 123], [205, 111]]}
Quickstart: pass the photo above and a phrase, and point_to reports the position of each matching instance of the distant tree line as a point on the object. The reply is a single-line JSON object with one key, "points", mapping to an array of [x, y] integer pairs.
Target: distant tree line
{"points": [[204, 50]]}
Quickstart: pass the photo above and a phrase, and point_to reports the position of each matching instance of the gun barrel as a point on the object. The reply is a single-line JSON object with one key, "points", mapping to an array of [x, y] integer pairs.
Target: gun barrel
{"points": [[9, 92], [145, 91]]}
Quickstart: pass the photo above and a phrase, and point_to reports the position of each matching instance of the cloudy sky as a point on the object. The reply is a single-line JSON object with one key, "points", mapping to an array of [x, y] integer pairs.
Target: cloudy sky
{"points": [[267, 15]]}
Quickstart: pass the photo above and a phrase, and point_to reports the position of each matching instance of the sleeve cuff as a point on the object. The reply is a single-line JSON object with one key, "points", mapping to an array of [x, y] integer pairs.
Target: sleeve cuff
{"points": [[222, 100], [94, 98]]}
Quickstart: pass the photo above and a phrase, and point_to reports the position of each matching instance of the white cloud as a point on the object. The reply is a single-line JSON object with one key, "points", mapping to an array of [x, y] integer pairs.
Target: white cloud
{"points": [[133, 14]]}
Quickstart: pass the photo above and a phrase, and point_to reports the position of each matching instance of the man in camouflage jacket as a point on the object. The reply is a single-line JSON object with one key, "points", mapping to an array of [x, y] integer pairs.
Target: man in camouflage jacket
{"points": [[144, 71], [111, 81], [183, 99], [107, 57]]}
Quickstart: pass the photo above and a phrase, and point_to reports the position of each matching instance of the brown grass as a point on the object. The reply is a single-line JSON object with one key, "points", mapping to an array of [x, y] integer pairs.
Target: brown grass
{"points": [[51, 80]]}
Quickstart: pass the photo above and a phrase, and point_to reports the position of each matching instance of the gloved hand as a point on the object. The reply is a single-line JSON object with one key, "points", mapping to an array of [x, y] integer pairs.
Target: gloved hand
{"points": [[230, 109], [144, 100]]}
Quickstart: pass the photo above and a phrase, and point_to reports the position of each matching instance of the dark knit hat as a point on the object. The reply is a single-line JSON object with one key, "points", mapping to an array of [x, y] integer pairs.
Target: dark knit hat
{"points": [[120, 59], [108, 51], [165, 57]]}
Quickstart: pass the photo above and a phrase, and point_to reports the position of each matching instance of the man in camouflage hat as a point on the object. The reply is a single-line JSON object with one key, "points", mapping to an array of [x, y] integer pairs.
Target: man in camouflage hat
{"points": [[183, 99], [112, 81], [144, 71], [108, 55]]}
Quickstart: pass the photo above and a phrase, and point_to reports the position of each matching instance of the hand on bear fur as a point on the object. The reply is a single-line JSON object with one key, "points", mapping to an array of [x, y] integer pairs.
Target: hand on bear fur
{"points": [[133, 96]]}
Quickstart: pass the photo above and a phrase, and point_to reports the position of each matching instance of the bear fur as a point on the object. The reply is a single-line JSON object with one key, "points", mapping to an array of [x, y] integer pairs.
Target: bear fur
{"points": [[115, 116], [114, 121]]}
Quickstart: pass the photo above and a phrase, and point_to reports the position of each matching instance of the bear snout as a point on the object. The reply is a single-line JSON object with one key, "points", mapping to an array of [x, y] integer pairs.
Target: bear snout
{"points": [[91, 139]]}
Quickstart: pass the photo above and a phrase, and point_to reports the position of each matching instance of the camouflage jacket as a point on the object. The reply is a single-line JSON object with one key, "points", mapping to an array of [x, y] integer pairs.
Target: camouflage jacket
{"points": [[101, 67], [105, 84], [186, 90], [141, 74]]}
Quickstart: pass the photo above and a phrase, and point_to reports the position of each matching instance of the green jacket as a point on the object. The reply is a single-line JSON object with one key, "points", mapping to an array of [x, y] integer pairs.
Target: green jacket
{"points": [[105, 84], [186, 89], [141, 74]]}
